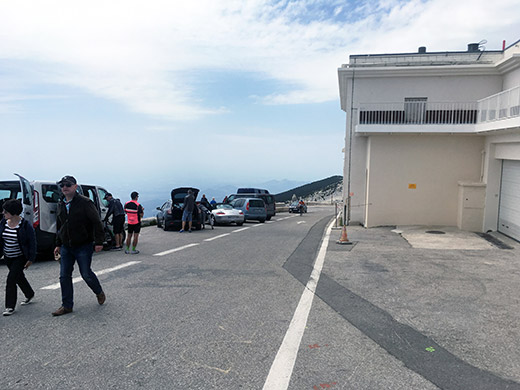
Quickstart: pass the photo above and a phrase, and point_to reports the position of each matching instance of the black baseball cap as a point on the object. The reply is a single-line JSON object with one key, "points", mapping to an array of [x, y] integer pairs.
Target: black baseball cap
{"points": [[67, 179], [108, 195]]}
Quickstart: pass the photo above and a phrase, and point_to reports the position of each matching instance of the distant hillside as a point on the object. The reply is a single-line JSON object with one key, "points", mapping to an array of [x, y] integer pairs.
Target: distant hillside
{"points": [[315, 191]]}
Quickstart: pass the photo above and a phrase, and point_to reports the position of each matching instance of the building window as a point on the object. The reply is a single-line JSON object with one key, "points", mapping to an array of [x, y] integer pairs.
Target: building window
{"points": [[415, 110]]}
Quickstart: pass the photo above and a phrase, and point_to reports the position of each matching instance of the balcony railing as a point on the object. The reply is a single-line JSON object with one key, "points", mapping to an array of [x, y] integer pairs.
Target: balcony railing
{"points": [[503, 105], [418, 113]]}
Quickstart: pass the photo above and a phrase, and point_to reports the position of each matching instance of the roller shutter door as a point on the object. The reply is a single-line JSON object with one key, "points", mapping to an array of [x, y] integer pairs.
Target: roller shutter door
{"points": [[509, 210]]}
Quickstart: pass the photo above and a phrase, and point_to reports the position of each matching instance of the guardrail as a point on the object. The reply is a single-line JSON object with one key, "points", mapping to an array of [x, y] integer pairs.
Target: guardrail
{"points": [[502, 105], [418, 113]]}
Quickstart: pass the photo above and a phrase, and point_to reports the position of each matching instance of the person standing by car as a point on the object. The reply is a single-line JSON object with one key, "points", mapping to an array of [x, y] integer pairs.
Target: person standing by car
{"points": [[18, 244], [204, 201], [187, 211], [115, 208], [78, 227], [134, 212], [213, 202]]}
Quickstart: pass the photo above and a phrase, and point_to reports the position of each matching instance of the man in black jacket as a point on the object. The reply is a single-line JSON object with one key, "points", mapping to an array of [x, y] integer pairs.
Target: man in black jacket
{"points": [[79, 226]]}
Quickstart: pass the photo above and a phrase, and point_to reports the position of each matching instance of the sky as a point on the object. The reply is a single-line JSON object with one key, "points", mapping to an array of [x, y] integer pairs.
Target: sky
{"points": [[156, 94]]}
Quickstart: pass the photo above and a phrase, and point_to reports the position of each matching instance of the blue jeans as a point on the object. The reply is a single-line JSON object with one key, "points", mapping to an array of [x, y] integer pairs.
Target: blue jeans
{"points": [[83, 255]]}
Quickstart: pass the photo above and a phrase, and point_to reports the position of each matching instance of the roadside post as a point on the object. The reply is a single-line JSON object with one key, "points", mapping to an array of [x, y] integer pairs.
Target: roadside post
{"points": [[343, 240], [336, 217]]}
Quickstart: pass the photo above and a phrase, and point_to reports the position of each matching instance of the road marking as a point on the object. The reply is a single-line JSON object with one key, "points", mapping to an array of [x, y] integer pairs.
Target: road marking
{"points": [[56, 286], [214, 238], [175, 249], [297, 223], [270, 221], [283, 365], [258, 224], [240, 230]]}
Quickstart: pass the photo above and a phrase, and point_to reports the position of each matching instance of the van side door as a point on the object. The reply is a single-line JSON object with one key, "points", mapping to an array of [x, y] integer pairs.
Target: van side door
{"points": [[27, 198], [103, 203], [50, 196], [91, 193]]}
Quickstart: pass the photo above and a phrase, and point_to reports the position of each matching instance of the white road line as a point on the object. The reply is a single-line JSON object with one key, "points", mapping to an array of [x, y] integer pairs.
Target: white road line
{"points": [[297, 223], [259, 224], [175, 249], [56, 286], [214, 238], [283, 365], [270, 221], [240, 230]]}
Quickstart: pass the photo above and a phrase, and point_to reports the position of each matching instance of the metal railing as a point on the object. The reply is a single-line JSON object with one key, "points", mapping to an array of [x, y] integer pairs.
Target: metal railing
{"points": [[418, 112], [500, 106]]}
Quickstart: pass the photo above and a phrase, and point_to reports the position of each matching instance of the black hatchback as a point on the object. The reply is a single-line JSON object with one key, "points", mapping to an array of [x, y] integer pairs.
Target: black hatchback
{"points": [[169, 216]]}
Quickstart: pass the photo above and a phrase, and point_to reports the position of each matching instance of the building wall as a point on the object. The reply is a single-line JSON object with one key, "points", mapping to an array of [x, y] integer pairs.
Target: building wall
{"points": [[395, 89], [436, 89], [512, 79], [434, 164]]}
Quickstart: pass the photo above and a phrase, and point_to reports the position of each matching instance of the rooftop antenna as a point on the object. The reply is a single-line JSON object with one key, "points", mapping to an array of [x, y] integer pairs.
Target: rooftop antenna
{"points": [[481, 47]]}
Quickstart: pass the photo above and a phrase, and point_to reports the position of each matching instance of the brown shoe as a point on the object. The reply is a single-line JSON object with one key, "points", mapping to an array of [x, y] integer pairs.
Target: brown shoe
{"points": [[101, 297], [61, 311]]}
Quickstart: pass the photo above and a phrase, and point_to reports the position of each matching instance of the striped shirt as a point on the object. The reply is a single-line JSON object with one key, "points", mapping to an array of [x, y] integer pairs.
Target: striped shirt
{"points": [[11, 245]]}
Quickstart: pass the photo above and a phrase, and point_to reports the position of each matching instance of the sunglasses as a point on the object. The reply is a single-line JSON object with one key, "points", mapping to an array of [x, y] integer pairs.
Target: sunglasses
{"points": [[66, 185]]}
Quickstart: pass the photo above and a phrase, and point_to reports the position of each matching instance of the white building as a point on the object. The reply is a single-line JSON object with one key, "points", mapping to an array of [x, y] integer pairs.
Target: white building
{"points": [[433, 139]]}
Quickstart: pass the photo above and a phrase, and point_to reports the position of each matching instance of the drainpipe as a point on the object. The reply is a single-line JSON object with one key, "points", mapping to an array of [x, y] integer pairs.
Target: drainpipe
{"points": [[346, 220], [482, 165]]}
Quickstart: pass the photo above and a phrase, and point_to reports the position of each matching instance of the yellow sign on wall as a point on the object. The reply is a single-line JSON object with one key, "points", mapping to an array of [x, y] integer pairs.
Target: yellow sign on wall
{"points": [[412, 186]]}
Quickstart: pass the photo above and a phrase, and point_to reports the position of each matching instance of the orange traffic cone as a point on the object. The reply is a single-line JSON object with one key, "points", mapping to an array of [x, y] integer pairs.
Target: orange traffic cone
{"points": [[344, 239]]}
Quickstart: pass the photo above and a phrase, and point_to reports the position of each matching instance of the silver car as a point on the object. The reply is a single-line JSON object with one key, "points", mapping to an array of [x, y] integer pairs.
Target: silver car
{"points": [[253, 208], [225, 214]]}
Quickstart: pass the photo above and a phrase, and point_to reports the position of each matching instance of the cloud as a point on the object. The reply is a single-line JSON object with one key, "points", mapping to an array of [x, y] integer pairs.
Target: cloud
{"points": [[150, 55]]}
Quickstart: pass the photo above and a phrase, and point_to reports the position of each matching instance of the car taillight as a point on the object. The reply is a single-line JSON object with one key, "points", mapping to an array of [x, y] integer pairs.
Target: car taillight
{"points": [[241, 212], [169, 211], [36, 210], [220, 213], [247, 206]]}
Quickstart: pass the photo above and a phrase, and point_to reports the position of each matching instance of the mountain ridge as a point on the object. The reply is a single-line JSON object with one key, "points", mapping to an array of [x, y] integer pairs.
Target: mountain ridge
{"points": [[320, 190]]}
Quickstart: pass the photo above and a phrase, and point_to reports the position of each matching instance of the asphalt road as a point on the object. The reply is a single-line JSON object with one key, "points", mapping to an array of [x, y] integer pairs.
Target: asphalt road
{"points": [[242, 308], [209, 315]]}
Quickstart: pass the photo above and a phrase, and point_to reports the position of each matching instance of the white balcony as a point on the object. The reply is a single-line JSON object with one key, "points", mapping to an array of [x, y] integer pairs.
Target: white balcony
{"points": [[417, 115]]}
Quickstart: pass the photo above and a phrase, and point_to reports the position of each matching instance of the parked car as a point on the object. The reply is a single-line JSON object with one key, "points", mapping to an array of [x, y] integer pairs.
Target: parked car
{"points": [[268, 199], [170, 213], [253, 208], [252, 191], [40, 201], [294, 207], [225, 214]]}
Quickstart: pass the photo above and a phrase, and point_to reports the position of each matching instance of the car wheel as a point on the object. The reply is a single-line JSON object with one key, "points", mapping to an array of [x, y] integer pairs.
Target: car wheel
{"points": [[158, 223], [164, 226], [268, 218], [239, 223], [261, 220]]}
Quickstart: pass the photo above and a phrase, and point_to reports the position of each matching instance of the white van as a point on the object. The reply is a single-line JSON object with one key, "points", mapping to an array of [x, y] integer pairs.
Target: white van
{"points": [[40, 202]]}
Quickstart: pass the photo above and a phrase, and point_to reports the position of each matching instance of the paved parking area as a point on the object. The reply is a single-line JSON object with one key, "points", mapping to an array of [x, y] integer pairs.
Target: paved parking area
{"points": [[446, 305]]}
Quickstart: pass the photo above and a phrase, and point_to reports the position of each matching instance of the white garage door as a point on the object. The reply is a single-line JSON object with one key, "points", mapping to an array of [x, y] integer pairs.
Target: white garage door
{"points": [[509, 212]]}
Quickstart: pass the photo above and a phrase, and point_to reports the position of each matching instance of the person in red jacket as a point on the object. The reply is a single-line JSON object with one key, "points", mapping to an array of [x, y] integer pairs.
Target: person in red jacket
{"points": [[134, 212]]}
